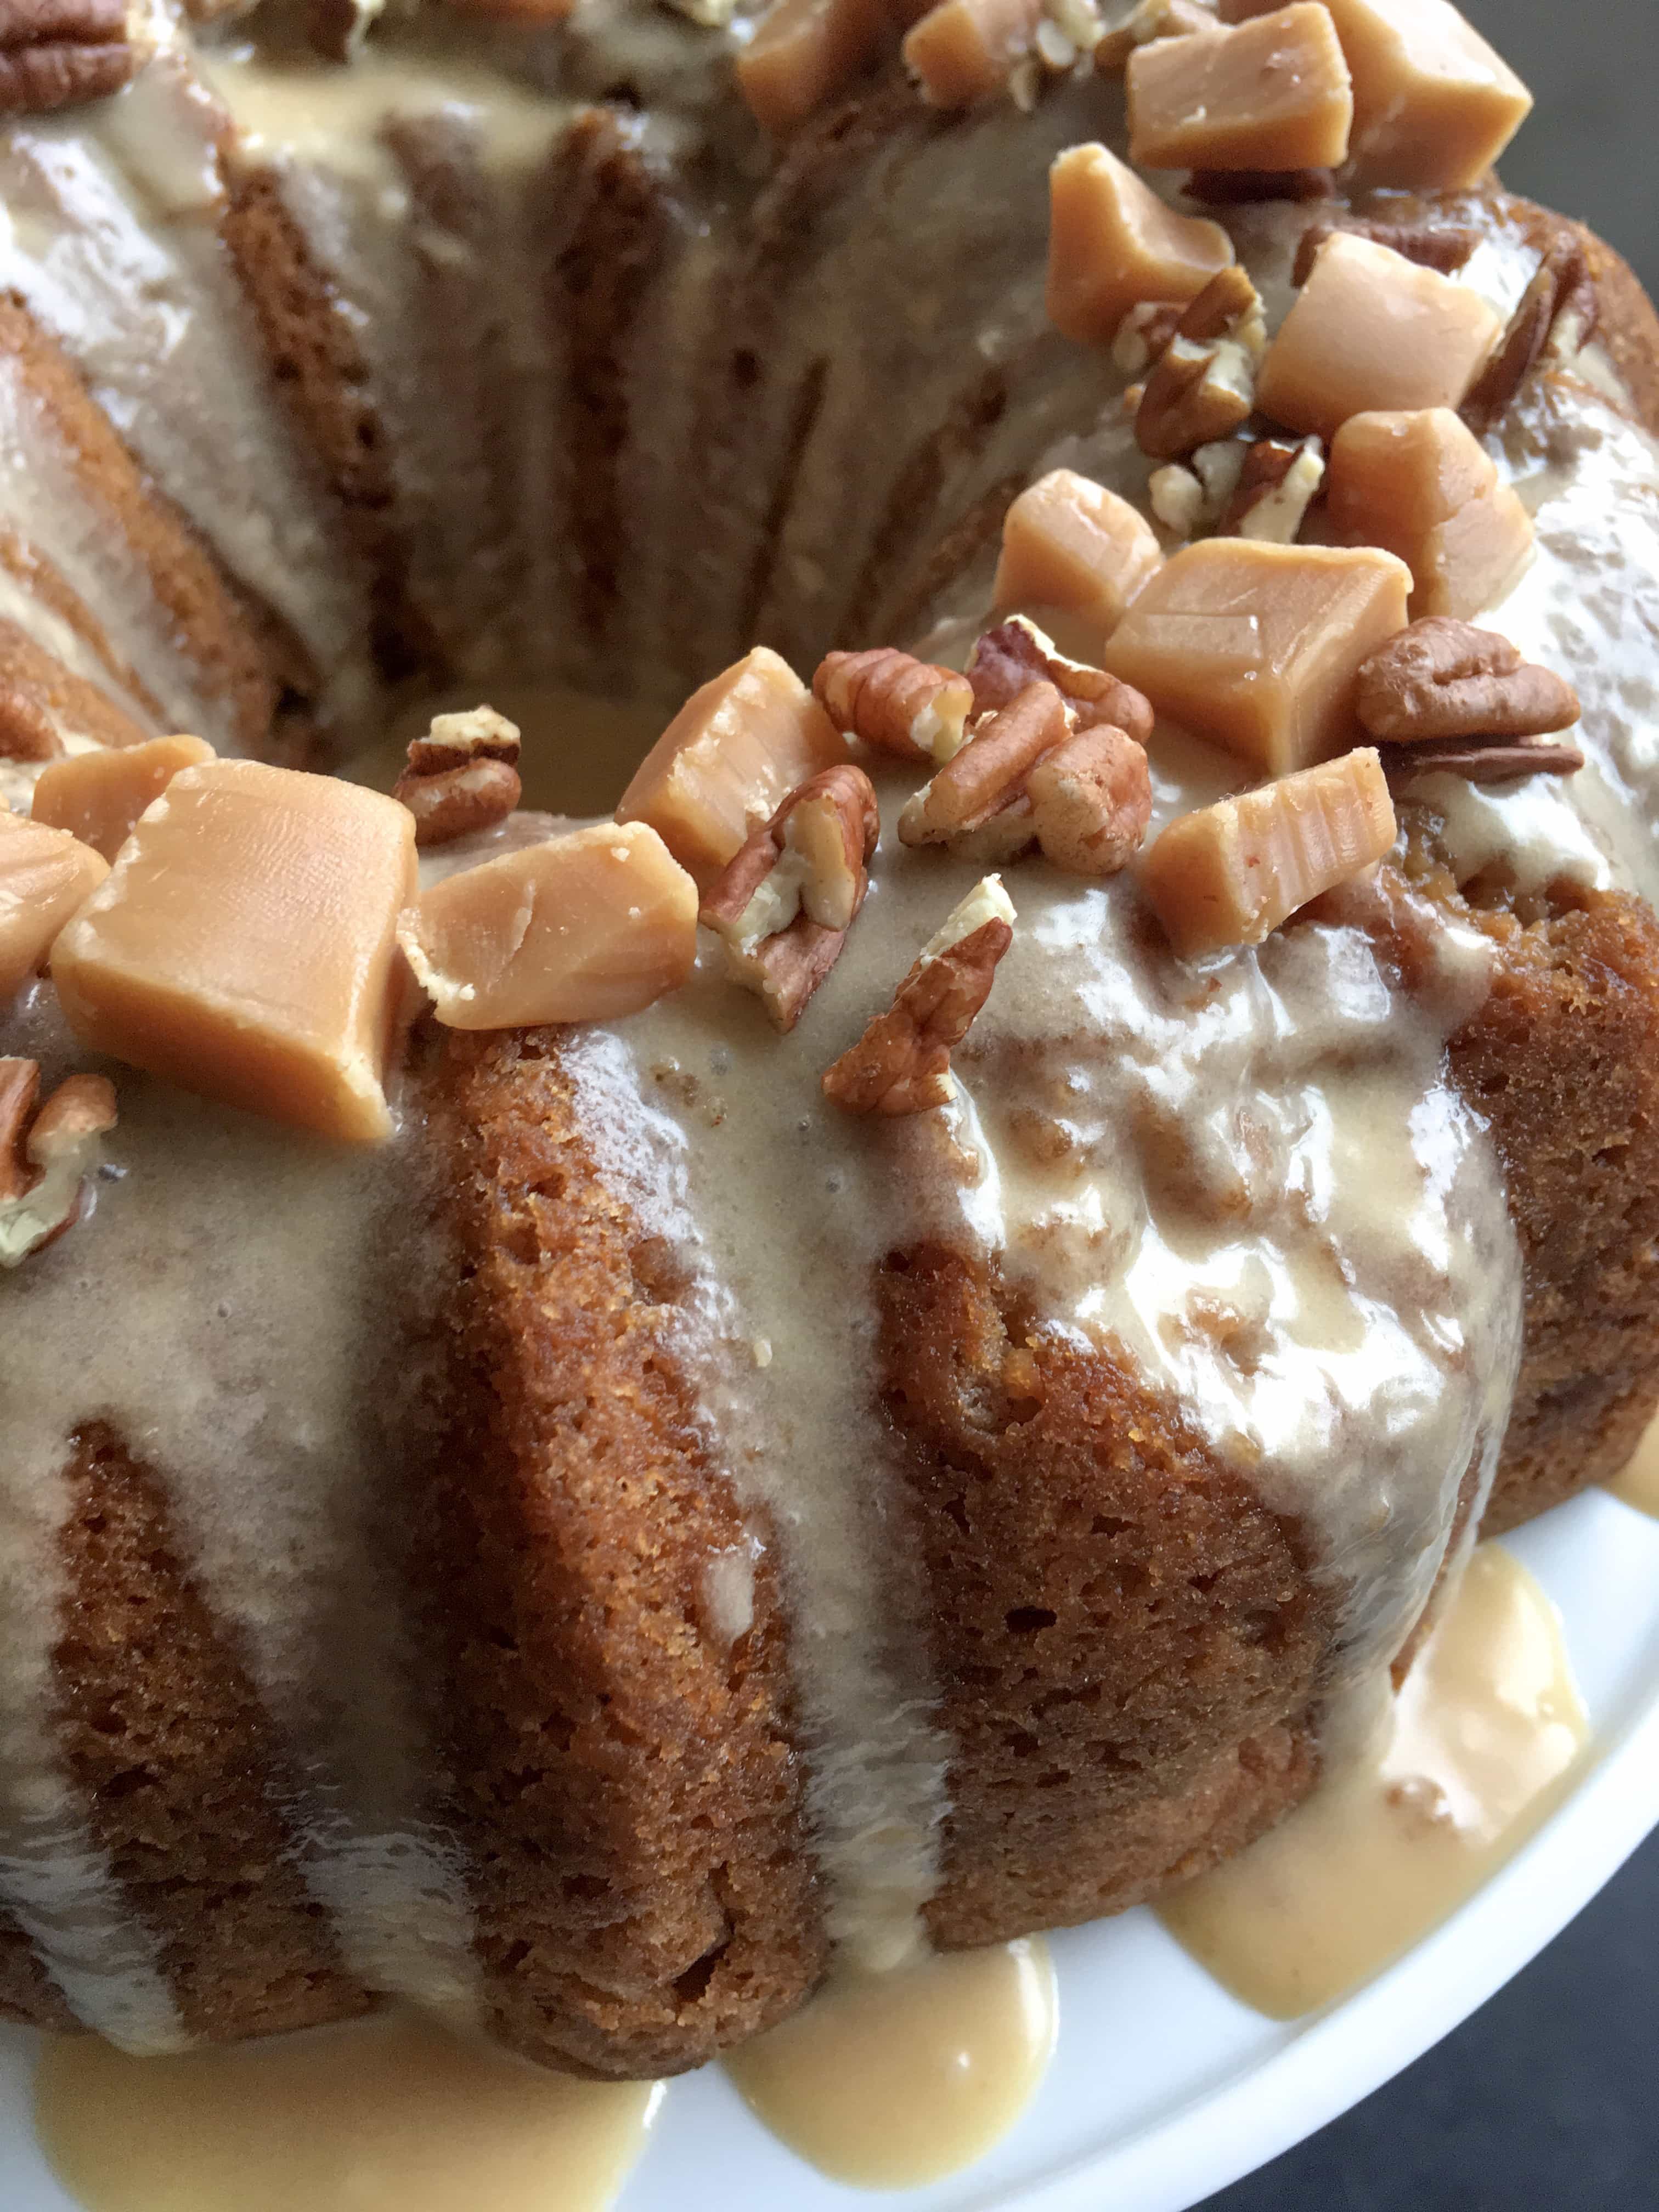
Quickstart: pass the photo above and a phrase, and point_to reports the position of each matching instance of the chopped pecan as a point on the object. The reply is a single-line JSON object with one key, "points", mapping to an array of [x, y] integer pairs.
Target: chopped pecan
{"points": [[1561, 296], [46, 1155], [1443, 247], [55, 54], [896, 702], [1488, 763], [462, 777], [1203, 385], [784, 905], [989, 773], [1241, 187], [1090, 801], [1279, 482], [902, 1064], [1439, 679], [1142, 335], [1016, 653]]}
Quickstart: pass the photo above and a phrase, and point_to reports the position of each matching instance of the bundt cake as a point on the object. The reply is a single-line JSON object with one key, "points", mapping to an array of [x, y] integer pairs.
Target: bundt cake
{"points": [[739, 1459]]}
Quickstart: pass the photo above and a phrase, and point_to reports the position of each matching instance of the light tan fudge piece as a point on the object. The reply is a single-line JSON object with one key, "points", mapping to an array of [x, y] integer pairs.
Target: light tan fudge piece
{"points": [[1433, 105], [1273, 94], [728, 760], [803, 52], [1258, 647], [1073, 556], [964, 51], [44, 875], [583, 928], [1422, 485], [1113, 243], [245, 945], [1231, 874], [97, 797], [1370, 330]]}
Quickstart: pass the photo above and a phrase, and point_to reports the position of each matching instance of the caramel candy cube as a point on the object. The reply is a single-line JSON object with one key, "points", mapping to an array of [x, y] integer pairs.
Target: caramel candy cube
{"points": [[1273, 94], [1073, 555], [802, 51], [1433, 106], [1371, 329], [1113, 243], [1258, 647], [1229, 873], [1423, 486], [245, 945], [728, 760], [97, 797], [963, 51], [44, 875], [584, 928]]}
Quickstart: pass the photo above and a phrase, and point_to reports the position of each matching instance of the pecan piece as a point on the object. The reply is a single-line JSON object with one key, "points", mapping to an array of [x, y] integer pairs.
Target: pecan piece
{"points": [[1203, 386], [902, 1064], [1442, 678], [462, 777], [1492, 763], [1241, 187], [1016, 653], [896, 702], [783, 906], [1444, 247], [989, 773], [1561, 296], [1276, 484], [55, 54], [1090, 801], [46, 1155]]}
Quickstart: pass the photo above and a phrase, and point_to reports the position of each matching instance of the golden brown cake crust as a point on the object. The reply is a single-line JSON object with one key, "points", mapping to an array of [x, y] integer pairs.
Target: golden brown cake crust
{"points": [[643, 1892]]}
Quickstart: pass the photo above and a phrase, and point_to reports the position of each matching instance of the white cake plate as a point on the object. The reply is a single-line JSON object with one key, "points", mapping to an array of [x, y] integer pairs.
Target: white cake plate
{"points": [[1164, 2087]]}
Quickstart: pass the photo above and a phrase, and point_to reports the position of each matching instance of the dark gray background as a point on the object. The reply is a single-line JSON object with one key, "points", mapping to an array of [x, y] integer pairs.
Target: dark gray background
{"points": [[1549, 2099]]}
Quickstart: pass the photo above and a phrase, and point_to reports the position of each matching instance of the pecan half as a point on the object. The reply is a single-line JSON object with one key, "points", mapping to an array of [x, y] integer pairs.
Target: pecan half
{"points": [[902, 1064], [896, 702], [989, 773], [1492, 763], [54, 53], [1445, 247], [1439, 678], [1203, 385], [462, 777], [784, 904], [1090, 801], [45, 1154], [1016, 653], [1562, 294]]}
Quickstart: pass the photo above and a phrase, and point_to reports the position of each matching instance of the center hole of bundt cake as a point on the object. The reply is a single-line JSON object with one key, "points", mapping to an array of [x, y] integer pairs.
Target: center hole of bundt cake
{"points": [[578, 749]]}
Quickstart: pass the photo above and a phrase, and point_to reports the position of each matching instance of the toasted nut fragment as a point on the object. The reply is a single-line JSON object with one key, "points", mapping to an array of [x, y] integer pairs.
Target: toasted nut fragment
{"points": [[1112, 242], [1423, 486], [1017, 653], [45, 876], [1371, 329], [965, 51], [1073, 555], [802, 52], [1434, 106], [1143, 334], [1244, 187], [97, 797], [462, 777], [43, 1175], [728, 759], [1484, 763], [1091, 799], [1274, 93], [902, 1064], [1558, 312], [990, 770], [1153, 19], [1231, 874], [1259, 647], [584, 928], [1276, 486], [1204, 383], [1445, 247], [896, 702], [784, 906], [56, 53], [1176, 498], [244, 946], [463, 740], [1442, 678]]}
